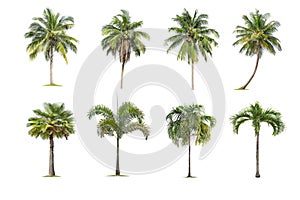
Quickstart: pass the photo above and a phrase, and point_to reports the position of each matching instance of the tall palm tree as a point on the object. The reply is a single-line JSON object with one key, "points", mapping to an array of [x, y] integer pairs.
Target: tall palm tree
{"points": [[122, 38], [257, 36], [128, 118], [52, 122], [48, 35], [257, 115], [194, 36], [186, 123]]}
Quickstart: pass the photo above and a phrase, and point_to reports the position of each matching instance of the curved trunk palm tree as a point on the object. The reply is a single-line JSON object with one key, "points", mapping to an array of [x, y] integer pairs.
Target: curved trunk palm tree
{"points": [[257, 115], [122, 38], [257, 36], [48, 35], [127, 119], [53, 122], [187, 123], [193, 36]]}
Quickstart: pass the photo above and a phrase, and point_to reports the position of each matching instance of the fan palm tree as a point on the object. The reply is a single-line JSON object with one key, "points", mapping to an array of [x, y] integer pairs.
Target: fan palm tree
{"points": [[258, 115], [186, 123], [194, 37], [52, 122], [128, 118], [257, 36], [122, 38], [48, 35]]}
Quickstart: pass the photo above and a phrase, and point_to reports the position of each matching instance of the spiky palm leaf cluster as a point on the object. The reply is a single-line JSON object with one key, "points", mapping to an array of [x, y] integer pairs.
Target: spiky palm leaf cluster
{"points": [[128, 118], [48, 35], [193, 35], [257, 34], [122, 37], [257, 115], [53, 121], [189, 121]]}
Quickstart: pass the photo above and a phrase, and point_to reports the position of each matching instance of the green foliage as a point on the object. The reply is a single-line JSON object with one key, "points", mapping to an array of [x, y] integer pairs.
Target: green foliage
{"points": [[257, 115], [128, 118], [122, 37], [48, 35], [193, 35], [189, 121], [54, 121], [257, 34]]}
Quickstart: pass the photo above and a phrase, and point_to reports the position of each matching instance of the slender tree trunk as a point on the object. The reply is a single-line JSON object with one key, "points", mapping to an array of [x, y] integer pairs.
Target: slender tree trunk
{"points": [[51, 66], [255, 69], [193, 75], [122, 73], [189, 174], [118, 154], [257, 175], [51, 157]]}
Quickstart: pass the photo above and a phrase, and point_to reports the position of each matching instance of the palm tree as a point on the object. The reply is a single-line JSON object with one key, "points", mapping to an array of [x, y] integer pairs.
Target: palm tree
{"points": [[194, 37], [257, 115], [128, 118], [48, 35], [53, 122], [256, 36], [188, 122], [122, 38]]}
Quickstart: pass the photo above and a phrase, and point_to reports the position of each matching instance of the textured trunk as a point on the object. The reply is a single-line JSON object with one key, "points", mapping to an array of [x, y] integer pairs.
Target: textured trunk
{"points": [[189, 174], [122, 73], [256, 65], [193, 75], [51, 157], [118, 152], [257, 175], [51, 66]]}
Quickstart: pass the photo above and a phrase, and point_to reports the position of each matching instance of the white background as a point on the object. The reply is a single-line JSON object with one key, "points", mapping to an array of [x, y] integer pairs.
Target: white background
{"points": [[228, 172]]}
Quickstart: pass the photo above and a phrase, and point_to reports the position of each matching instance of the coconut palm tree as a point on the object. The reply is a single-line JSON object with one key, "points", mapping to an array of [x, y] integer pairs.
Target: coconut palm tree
{"points": [[193, 36], [257, 36], [48, 35], [189, 122], [121, 37], [128, 118], [258, 115], [52, 122]]}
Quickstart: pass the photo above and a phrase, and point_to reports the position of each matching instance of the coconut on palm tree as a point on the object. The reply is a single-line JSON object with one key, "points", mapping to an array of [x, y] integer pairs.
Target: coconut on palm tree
{"points": [[257, 36], [49, 35], [257, 115], [122, 37], [128, 118], [52, 122], [194, 38], [187, 124]]}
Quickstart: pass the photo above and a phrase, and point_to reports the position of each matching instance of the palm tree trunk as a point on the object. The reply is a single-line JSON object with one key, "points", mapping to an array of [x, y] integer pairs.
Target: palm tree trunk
{"points": [[189, 174], [255, 69], [257, 175], [193, 75], [51, 157], [118, 152], [122, 73], [51, 66]]}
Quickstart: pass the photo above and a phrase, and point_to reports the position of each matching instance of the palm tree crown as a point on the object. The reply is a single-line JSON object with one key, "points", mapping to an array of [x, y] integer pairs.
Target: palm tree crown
{"points": [[194, 36], [122, 38], [48, 35]]}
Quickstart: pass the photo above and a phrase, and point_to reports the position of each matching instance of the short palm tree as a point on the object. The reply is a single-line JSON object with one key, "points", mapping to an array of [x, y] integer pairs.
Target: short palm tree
{"points": [[258, 115], [257, 36], [128, 118], [52, 122], [48, 35], [121, 37], [193, 36], [186, 123]]}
